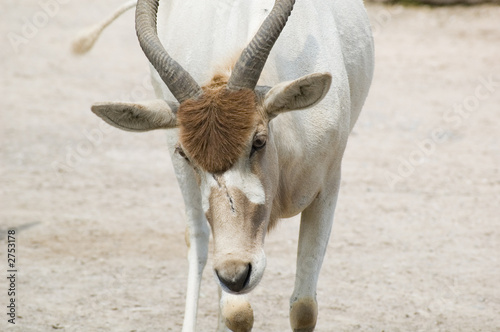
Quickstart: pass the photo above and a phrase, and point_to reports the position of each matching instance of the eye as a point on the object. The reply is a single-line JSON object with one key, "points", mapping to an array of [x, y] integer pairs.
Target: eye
{"points": [[181, 153], [258, 143]]}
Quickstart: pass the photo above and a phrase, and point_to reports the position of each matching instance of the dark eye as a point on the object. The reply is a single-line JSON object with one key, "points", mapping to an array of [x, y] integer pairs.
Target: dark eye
{"points": [[258, 143], [181, 153]]}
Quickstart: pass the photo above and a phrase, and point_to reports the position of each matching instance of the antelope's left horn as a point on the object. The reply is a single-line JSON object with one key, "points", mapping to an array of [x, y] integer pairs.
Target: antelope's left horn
{"points": [[249, 66]]}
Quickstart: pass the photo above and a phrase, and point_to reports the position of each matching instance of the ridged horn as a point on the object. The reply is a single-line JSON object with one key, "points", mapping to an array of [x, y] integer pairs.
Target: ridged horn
{"points": [[249, 66], [179, 81]]}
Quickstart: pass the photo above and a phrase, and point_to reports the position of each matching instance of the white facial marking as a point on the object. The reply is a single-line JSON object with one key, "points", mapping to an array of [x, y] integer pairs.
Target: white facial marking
{"points": [[240, 177], [207, 183], [248, 183]]}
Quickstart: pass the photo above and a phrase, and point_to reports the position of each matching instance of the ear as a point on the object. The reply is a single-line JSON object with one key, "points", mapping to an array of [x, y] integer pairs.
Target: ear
{"points": [[143, 116], [302, 93]]}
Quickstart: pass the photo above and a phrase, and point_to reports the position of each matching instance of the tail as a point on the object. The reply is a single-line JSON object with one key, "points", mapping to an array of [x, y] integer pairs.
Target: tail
{"points": [[87, 37]]}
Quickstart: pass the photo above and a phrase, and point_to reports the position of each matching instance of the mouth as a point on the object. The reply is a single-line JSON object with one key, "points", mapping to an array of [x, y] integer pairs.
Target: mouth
{"points": [[238, 284], [243, 278]]}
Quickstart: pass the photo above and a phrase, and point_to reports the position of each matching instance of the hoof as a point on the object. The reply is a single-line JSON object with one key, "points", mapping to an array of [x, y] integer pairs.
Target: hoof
{"points": [[303, 314], [238, 315]]}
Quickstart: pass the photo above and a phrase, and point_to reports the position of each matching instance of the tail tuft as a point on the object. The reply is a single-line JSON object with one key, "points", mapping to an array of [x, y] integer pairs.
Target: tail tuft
{"points": [[86, 39]]}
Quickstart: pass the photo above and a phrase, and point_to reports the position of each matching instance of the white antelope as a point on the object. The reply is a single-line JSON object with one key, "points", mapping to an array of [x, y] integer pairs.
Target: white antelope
{"points": [[242, 158]]}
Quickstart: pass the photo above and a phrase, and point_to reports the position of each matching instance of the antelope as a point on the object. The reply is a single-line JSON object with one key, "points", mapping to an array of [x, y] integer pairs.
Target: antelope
{"points": [[261, 139]]}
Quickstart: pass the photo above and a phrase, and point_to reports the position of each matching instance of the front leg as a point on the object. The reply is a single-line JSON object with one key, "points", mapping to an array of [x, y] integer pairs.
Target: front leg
{"points": [[235, 313], [315, 226], [197, 235]]}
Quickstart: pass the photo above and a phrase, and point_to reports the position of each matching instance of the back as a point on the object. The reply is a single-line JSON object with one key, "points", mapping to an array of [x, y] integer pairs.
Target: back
{"points": [[332, 36]]}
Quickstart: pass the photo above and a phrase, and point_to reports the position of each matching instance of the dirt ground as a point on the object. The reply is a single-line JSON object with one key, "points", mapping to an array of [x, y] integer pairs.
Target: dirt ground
{"points": [[100, 242]]}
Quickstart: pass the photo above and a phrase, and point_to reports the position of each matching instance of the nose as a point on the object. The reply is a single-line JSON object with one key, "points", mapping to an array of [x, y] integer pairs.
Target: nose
{"points": [[234, 275]]}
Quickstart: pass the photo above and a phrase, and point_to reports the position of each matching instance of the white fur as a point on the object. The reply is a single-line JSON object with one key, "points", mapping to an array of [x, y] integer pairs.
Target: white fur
{"points": [[249, 185], [207, 183], [236, 177], [247, 182]]}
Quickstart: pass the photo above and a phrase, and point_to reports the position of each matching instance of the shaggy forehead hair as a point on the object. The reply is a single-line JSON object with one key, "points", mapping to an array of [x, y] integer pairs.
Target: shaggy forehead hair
{"points": [[215, 128]]}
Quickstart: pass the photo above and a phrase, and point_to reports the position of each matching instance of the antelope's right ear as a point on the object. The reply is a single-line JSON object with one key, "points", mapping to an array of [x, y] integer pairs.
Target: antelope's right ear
{"points": [[143, 116]]}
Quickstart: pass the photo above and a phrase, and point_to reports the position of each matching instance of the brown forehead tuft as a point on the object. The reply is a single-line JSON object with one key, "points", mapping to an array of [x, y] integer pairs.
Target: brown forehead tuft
{"points": [[215, 128]]}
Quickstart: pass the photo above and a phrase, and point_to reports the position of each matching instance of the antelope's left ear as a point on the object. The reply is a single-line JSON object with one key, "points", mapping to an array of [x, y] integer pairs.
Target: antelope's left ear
{"points": [[302, 93]]}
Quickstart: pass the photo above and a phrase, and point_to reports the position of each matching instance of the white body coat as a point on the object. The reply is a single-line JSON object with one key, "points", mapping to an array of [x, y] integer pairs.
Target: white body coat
{"points": [[320, 36]]}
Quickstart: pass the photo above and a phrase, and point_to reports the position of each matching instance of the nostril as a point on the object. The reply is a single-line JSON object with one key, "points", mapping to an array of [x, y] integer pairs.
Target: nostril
{"points": [[247, 279], [234, 275]]}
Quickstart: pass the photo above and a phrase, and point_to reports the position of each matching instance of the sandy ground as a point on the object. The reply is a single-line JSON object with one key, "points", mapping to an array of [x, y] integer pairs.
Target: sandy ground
{"points": [[100, 242]]}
